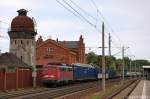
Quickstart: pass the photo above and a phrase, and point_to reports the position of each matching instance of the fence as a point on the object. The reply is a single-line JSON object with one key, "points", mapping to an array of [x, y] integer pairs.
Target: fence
{"points": [[21, 78]]}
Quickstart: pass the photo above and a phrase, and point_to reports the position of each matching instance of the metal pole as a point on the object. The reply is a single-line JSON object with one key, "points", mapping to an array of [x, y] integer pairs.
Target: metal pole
{"points": [[103, 58], [139, 71], [130, 67], [135, 67], [123, 63], [109, 51]]}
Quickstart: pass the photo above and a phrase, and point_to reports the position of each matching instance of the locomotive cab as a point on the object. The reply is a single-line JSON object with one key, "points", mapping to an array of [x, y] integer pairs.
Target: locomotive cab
{"points": [[55, 74]]}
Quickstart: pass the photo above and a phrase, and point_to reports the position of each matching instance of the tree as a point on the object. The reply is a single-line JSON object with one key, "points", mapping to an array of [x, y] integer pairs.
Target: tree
{"points": [[95, 59], [127, 63], [139, 64], [110, 62], [115, 64], [118, 65], [92, 58]]}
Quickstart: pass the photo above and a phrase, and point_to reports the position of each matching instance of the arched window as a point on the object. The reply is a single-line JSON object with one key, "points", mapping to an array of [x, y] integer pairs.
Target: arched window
{"points": [[27, 42], [21, 42], [15, 41], [21, 57]]}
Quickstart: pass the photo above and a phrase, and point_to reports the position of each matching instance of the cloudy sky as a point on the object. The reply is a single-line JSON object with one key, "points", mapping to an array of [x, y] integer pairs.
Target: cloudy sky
{"points": [[127, 21]]}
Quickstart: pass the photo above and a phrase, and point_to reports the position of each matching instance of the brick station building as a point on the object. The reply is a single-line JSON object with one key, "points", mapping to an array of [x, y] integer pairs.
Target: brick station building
{"points": [[60, 51]]}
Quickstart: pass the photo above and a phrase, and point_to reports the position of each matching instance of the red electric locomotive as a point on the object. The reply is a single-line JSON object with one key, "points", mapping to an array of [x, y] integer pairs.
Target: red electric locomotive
{"points": [[57, 73]]}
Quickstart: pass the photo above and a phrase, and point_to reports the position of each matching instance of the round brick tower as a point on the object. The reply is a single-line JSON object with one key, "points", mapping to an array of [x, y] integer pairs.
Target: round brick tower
{"points": [[22, 37]]}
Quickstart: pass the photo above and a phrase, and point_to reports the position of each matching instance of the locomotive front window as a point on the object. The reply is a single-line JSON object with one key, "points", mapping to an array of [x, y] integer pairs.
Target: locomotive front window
{"points": [[70, 69], [52, 68], [64, 69]]}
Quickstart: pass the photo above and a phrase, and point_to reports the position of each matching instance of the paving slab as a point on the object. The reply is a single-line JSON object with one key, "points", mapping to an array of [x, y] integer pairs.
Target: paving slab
{"points": [[142, 91]]}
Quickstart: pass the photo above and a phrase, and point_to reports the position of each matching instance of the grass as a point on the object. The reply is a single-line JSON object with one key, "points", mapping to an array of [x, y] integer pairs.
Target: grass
{"points": [[109, 91]]}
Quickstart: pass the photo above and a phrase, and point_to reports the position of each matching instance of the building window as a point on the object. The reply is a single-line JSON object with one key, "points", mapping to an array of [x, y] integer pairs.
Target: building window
{"points": [[48, 56], [49, 50], [27, 42], [21, 58], [15, 41], [21, 42]]}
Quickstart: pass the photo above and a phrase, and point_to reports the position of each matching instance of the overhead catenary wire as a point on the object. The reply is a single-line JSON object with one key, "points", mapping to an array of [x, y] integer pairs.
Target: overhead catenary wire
{"points": [[3, 29], [79, 14], [4, 22], [71, 9], [85, 12], [68, 9], [83, 18], [107, 23], [82, 9]]}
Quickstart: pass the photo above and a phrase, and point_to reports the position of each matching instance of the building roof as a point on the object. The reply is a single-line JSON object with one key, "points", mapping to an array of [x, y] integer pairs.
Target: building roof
{"points": [[51, 41], [70, 44], [22, 23], [146, 67], [9, 59]]}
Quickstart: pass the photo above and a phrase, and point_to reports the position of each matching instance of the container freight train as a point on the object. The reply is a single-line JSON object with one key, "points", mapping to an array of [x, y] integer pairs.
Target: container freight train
{"points": [[61, 73]]}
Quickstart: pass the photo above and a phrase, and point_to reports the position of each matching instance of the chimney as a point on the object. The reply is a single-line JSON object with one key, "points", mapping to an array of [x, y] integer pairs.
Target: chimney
{"points": [[40, 40], [81, 38]]}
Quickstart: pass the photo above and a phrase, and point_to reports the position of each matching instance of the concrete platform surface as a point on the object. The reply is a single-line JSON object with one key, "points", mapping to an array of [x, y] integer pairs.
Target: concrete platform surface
{"points": [[142, 91]]}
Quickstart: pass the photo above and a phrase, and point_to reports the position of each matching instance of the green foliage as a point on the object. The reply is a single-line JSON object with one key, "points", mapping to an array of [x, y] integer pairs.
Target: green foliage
{"points": [[92, 58], [110, 62], [139, 64], [2, 69], [113, 63]]}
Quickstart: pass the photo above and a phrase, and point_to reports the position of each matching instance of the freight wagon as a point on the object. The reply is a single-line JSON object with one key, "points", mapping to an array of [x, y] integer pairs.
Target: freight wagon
{"points": [[62, 73], [84, 72]]}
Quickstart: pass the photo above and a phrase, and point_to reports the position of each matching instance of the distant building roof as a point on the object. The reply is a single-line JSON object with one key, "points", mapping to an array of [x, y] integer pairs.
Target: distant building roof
{"points": [[70, 44], [146, 67], [8, 59]]}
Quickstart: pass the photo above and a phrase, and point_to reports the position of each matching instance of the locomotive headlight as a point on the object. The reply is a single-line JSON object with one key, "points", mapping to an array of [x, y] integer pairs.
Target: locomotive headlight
{"points": [[49, 76], [52, 76], [46, 76]]}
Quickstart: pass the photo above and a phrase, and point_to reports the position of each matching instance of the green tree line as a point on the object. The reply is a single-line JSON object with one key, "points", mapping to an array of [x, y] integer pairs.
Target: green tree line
{"points": [[114, 63]]}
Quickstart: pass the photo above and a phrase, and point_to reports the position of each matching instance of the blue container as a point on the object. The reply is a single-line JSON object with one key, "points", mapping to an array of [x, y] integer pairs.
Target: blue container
{"points": [[79, 72], [91, 73], [112, 73]]}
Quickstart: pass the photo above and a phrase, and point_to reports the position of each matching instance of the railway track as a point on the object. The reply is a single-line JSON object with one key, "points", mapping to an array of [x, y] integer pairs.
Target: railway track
{"points": [[6, 95], [125, 91], [50, 93]]}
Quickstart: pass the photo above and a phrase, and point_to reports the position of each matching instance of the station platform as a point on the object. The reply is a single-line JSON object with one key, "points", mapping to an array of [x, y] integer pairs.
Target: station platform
{"points": [[142, 91]]}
